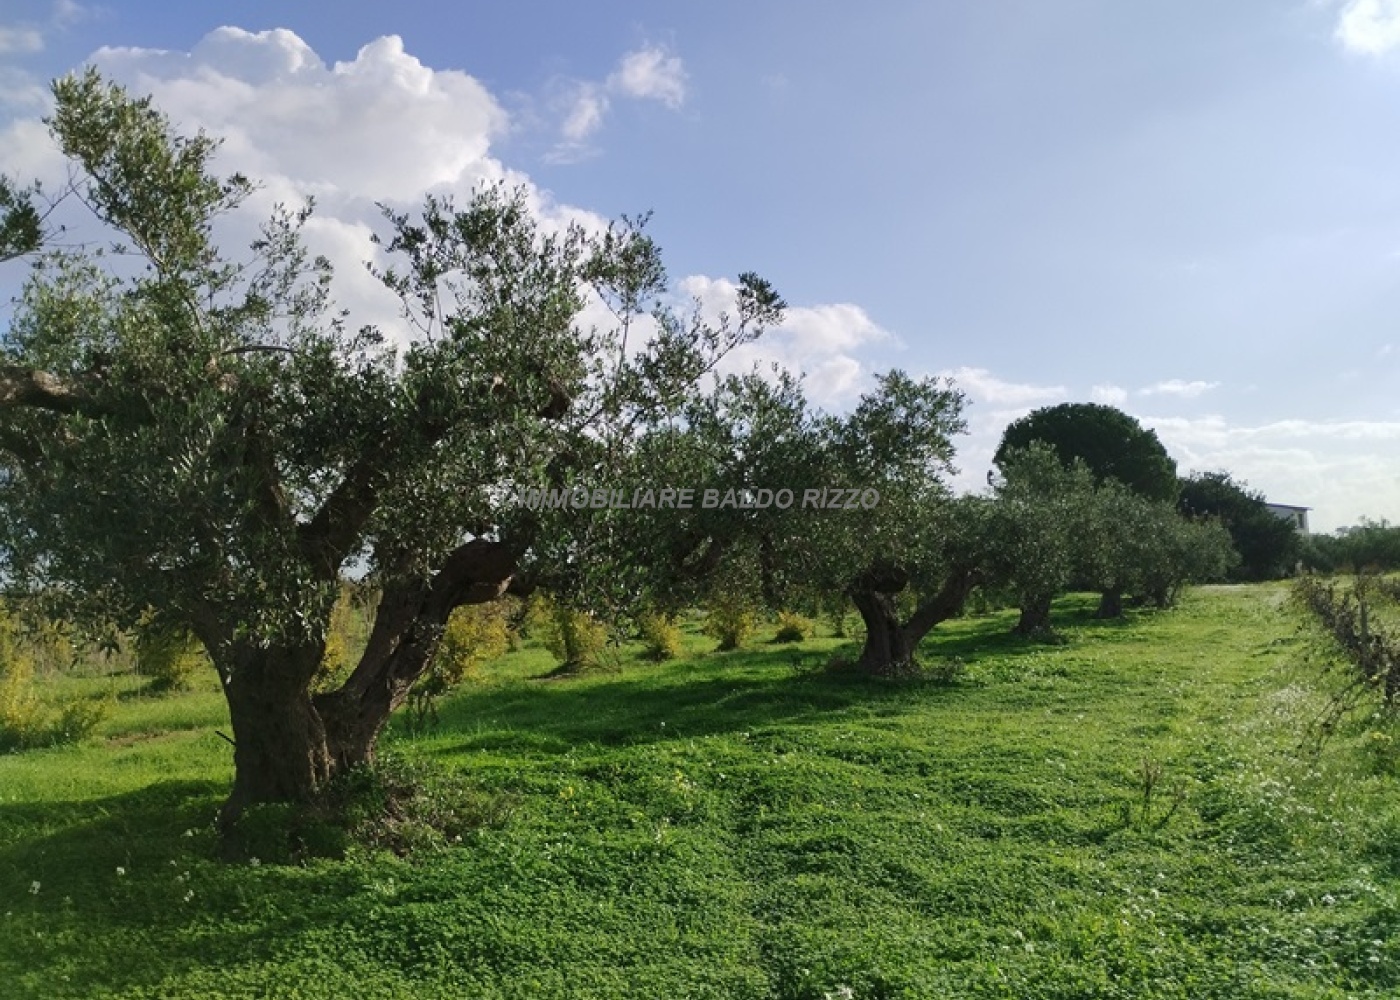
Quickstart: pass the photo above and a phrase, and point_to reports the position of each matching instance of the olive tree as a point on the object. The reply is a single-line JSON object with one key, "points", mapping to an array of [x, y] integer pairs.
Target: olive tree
{"points": [[879, 528], [213, 439], [1038, 527]]}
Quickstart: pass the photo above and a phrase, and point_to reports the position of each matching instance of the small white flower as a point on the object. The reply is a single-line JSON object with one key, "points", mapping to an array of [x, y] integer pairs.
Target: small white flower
{"points": [[120, 871], [254, 862], [1327, 900], [189, 833], [33, 888], [189, 895]]}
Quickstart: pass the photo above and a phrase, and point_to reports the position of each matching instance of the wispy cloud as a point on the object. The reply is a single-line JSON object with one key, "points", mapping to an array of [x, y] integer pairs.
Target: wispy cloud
{"points": [[20, 40], [589, 106], [983, 387], [1178, 387], [30, 36], [1110, 395], [650, 73]]}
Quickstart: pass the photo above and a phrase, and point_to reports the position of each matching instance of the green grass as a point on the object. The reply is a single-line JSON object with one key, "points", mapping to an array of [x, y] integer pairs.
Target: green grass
{"points": [[734, 826]]}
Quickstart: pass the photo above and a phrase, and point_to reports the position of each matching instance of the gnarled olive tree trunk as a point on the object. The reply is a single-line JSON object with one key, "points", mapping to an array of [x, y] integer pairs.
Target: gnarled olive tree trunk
{"points": [[890, 644], [289, 742]]}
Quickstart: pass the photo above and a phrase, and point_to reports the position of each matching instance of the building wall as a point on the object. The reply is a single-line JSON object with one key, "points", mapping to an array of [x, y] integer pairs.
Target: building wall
{"points": [[1297, 515]]}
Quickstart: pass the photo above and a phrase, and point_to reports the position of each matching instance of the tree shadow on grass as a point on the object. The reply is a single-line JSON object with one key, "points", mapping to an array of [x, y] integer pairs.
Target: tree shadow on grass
{"points": [[148, 899], [721, 693]]}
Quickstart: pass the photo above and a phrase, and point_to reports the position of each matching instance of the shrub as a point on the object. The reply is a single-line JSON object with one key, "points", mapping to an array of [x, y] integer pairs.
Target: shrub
{"points": [[535, 616], [166, 654], [793, 627], [575, 638], [731, 619], [660, 635], [25, 721], [338, 655], [474, 634], [21, 715]]}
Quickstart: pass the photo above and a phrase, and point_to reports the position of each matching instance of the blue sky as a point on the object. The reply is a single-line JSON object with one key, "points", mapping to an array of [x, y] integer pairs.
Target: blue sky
{"points": [[1187, 209]]}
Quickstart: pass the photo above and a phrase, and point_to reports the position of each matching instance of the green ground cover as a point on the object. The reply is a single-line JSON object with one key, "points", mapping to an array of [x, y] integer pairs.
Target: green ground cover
{"points": [[1123, 815]]}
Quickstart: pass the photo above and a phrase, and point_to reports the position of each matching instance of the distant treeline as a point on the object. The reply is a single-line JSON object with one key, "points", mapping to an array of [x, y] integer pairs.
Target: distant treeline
{"points": [[1371, 545]]}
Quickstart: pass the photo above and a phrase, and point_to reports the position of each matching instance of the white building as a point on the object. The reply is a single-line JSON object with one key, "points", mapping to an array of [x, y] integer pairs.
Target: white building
{"points": [[1297, 515]]}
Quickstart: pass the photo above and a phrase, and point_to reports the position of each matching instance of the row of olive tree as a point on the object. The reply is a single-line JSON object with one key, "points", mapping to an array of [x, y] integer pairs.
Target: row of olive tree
{"points": [[212, 439], [909, 560]]}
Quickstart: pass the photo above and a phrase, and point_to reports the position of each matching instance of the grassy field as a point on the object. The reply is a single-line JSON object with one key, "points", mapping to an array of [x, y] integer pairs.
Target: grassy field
{"points": [[1124, 815]]}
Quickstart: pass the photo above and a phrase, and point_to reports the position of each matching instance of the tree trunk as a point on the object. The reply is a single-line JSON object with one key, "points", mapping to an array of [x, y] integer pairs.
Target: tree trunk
{"points": [[1035, 616], [887, 652], [280, 750], [889, 645], [289, 744], [1110, 604]]}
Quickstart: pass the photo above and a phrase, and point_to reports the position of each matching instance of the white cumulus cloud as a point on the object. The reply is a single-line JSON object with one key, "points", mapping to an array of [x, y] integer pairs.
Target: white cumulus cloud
{"points": [[821, 342], [1369, 26], [382, 123]]}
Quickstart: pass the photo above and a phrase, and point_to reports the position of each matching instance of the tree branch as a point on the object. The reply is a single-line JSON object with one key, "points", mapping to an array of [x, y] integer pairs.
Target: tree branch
{"points": [[326, 539], [475, 573], [20, 386], [945, 604]]}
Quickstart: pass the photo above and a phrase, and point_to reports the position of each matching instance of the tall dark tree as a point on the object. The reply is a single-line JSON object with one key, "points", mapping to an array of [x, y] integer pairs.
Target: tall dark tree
{"points": [[1110, 442], [1268, 545], [213, 440]]}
